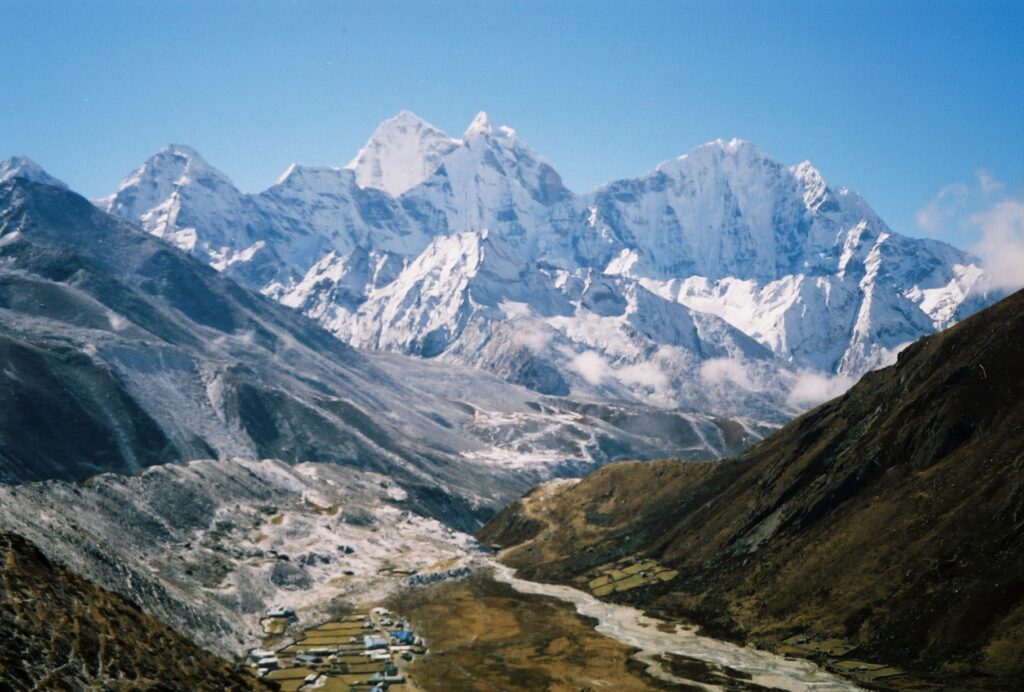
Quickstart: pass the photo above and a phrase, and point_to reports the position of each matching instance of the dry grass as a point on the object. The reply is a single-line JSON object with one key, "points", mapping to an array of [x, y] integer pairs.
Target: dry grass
{"points": [[483, 635]]}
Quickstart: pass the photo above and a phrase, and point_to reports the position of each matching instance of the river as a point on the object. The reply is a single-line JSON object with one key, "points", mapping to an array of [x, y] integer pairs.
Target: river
{"points": [[631, 627]]}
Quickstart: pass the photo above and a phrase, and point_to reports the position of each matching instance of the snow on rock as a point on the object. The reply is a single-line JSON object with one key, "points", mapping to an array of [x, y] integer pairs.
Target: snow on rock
{"points": [[402, 153], [417, 244], [24, 167]]}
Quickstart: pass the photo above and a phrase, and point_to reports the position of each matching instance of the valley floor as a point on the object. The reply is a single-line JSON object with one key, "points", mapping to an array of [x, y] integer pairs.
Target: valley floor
{"points": [[485, 635]]}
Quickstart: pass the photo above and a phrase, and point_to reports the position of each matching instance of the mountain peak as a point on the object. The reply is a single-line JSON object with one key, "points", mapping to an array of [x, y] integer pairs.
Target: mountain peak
{"points": [[481, 125], [24, 167], [292, 170], [816, 192], [173, 166], [153, 194], [714, 152], [732, 146], [807, 174], [403, 151], [407, 117], [182, 150], [319, 179]]}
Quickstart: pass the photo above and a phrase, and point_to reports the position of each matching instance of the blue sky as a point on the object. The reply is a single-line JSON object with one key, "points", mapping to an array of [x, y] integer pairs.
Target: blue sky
{"points": [[897, 100]]}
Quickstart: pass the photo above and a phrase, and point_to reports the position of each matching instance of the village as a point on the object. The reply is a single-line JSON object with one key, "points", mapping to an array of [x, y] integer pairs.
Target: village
{"points": [[365, 652]]}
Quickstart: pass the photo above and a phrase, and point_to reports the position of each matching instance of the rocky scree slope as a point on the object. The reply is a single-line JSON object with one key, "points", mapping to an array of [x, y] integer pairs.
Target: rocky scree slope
{"points": [[209, 546]]}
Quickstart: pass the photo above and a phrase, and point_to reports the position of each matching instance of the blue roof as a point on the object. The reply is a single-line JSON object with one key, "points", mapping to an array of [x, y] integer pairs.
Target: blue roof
{"points": [[404, 636]]}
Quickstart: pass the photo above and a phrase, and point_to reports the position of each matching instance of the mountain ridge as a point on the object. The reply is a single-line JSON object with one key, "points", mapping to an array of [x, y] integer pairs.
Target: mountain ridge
{"points": [[122, 351], [806, 269]]}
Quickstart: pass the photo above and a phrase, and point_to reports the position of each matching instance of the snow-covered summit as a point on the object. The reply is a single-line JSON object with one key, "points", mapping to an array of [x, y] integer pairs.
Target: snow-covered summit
{"points": [[178, 196], [493, 181], [472, 250], [481, 125], [403, 152], [24, 167], [163, 175]]}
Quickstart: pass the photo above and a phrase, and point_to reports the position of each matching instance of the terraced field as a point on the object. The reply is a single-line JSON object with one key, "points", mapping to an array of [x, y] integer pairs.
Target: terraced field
{"points": [[629, 573], [353, 653]]}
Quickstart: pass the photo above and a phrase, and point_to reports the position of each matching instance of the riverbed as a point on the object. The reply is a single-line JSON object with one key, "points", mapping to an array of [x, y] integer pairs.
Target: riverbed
{"points": [[657, 639]]}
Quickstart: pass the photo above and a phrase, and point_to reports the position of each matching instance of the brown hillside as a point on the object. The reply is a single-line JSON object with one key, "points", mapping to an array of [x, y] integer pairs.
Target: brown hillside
{"points": [[891, 517], [60, 632]]}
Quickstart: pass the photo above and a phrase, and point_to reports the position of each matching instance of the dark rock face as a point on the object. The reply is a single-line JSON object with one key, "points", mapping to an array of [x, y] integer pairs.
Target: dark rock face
{"points": [[290, 576], [535, 373], [63, 416], [62, 632], [891, 517]]}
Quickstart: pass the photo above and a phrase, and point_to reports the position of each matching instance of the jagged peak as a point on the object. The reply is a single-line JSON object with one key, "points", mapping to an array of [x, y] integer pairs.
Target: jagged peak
{"points": [[806, 172], [288, 173], [24, 167], [298, 170], [399, 124], [401, 153], [175, 164], [732, 146], [182, 150], [816, 190], [407, 117], [299, 179], [481, 125]]}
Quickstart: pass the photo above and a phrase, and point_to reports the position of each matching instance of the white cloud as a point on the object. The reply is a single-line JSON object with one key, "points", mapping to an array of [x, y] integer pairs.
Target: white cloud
{"points": [[1001, 246], [940, 213], [725, 370], [945, 215], [991, 217], [644, 375], [591, 366], [812, 388], [530, 335], [117, 322]]}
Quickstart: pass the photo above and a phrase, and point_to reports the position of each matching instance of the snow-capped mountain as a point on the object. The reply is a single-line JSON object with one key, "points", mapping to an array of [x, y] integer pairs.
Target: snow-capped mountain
{"points": [[120, 352], [402, 153], [177, 196], [24, 167], [717, 282]]}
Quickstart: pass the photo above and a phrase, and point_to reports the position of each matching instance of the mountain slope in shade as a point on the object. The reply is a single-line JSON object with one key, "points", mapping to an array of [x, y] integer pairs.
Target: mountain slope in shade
{"points": [[167, 360], [379, 253], [891, 518], [62, 632]]}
